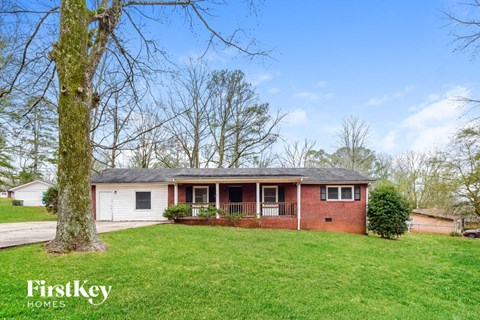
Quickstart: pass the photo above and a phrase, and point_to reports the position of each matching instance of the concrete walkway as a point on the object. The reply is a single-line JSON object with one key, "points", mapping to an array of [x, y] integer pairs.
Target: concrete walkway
{"points": [[20, 233]]}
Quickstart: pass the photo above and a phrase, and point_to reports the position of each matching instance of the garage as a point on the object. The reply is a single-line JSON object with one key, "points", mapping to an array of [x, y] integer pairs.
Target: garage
{"points": [[31, 193], [130, 202]]}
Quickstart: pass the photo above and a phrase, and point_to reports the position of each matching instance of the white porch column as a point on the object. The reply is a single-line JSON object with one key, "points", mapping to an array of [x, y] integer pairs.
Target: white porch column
{"points": [[175, 193], [299, 203], [217, 198], [258, 199]]}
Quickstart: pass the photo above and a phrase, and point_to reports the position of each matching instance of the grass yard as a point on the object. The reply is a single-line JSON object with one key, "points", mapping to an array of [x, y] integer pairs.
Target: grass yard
{"points": [[9, 213], [185, 272]]}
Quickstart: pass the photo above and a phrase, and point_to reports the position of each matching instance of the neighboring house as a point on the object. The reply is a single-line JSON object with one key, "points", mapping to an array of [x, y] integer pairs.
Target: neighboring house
{"points": [[302, 198], [435, 221], [3, 193], [30, 193]]}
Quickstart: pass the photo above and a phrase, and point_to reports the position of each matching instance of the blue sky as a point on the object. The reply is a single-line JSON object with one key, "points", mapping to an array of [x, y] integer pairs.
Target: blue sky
{"points": [[391, 63]]}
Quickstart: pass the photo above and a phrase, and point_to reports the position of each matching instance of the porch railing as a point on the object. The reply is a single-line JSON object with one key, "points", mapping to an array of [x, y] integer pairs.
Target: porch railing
{"points": [[249, 209]]}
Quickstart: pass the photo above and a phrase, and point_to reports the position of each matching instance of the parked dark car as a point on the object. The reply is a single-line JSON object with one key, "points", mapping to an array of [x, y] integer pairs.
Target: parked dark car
{"points": [[474, 233]]}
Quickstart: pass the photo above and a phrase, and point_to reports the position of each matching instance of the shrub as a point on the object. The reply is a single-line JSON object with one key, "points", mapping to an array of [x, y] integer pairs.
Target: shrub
{"points": [[455, 234], [208, 212], [388, 212], [17, 203], [177, 211], [50, 199]]}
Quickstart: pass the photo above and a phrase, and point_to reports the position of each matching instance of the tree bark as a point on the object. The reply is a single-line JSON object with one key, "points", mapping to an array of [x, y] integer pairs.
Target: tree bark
{"points": [[76, 230]]}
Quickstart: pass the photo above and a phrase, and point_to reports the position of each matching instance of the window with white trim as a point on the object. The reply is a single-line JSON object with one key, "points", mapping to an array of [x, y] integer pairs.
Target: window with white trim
{"points": [[270, 194], [200, 194], [143, 200], [341, 193]]}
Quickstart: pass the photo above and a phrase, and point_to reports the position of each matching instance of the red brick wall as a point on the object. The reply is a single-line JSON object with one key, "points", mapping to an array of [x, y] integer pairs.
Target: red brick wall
{"points": [[347, 216], [267, 223]]}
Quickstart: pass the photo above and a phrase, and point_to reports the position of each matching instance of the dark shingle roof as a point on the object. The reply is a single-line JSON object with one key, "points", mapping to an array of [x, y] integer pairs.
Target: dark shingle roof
{"points": [[310, 175]]}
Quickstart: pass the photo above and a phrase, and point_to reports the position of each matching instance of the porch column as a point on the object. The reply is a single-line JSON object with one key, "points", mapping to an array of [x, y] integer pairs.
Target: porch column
{"points": [[258, 199], [217, 198], [299, 203], [175, 193]]}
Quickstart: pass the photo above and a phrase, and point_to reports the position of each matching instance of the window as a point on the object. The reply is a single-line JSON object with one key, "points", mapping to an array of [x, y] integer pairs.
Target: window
{"points": [[342, 193], [143, 200], [357, 193], [270, 194], [200, 194]]}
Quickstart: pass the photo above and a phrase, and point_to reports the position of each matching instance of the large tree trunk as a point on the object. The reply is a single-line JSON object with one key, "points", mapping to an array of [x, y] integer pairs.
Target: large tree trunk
{"points": [[76, 230]]}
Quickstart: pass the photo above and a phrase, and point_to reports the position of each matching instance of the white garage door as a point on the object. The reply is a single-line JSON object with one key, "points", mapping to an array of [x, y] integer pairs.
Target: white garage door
{"points": [[30, 198]]}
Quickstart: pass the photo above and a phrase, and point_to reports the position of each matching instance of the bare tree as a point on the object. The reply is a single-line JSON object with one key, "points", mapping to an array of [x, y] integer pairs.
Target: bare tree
{"points": [[296, 153], [85, 33], [189, 102], [352, 152], [466, 37]]}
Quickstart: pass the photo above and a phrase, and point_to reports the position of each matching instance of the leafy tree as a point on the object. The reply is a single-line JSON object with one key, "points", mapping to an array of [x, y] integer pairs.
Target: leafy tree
{"points": [[239, 124], [50, 199], [388, 212], [464, 161], [425, 179], [36, 126]]}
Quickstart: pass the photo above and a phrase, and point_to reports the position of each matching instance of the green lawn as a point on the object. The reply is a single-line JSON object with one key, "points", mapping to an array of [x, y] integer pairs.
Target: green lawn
{"points": [[9, 213], [194, 272]]}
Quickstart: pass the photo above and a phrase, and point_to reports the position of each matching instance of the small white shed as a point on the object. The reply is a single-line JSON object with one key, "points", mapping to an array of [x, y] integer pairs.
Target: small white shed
{"points": [[31, 193]]}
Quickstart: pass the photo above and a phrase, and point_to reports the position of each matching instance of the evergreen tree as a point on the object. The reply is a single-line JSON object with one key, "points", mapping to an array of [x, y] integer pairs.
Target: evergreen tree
{"points": [[388, 212]]}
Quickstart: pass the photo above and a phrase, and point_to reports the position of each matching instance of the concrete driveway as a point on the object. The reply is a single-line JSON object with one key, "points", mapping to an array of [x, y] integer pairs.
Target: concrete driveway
{"points": [[19, 233]]}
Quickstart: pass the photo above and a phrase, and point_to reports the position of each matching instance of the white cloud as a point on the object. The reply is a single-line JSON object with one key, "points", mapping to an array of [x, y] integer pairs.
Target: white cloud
{"points": [[259, 78], [314, 96], [430, 124], [389, 142], [273, 90], [389, 97], [321, 84], [296, 117]]}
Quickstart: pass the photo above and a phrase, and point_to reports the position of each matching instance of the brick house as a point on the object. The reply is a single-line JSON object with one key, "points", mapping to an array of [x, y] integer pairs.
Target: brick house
{"points": [[291, 198]]}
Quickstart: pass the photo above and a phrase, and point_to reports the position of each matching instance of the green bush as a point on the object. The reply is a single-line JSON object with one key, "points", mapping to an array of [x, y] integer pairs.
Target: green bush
{"points": [[208, 212], [455, 234], [388, 212], [177, 211], [50, 199], [17, 203]]}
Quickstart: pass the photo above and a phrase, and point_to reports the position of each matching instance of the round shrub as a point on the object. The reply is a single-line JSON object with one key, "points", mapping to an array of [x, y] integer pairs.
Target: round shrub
{"points": [[388, 212], [177, 211]]}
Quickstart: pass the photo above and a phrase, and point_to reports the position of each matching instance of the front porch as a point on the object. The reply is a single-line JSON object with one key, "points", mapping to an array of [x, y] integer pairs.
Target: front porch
{"points": [[245, 199]]}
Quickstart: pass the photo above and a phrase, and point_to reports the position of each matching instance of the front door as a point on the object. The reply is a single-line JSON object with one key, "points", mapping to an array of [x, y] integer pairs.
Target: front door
{"points": [[105, 211], [235, 198], [270, 205]]}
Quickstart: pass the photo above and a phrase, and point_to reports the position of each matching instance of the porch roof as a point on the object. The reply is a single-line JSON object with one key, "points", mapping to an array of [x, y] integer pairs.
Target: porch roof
{"points": [[209, 175]]}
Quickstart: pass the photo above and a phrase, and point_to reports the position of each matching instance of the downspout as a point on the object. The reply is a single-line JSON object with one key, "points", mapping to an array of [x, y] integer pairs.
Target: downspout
{"points": [[299, 202], [367, 191]]}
